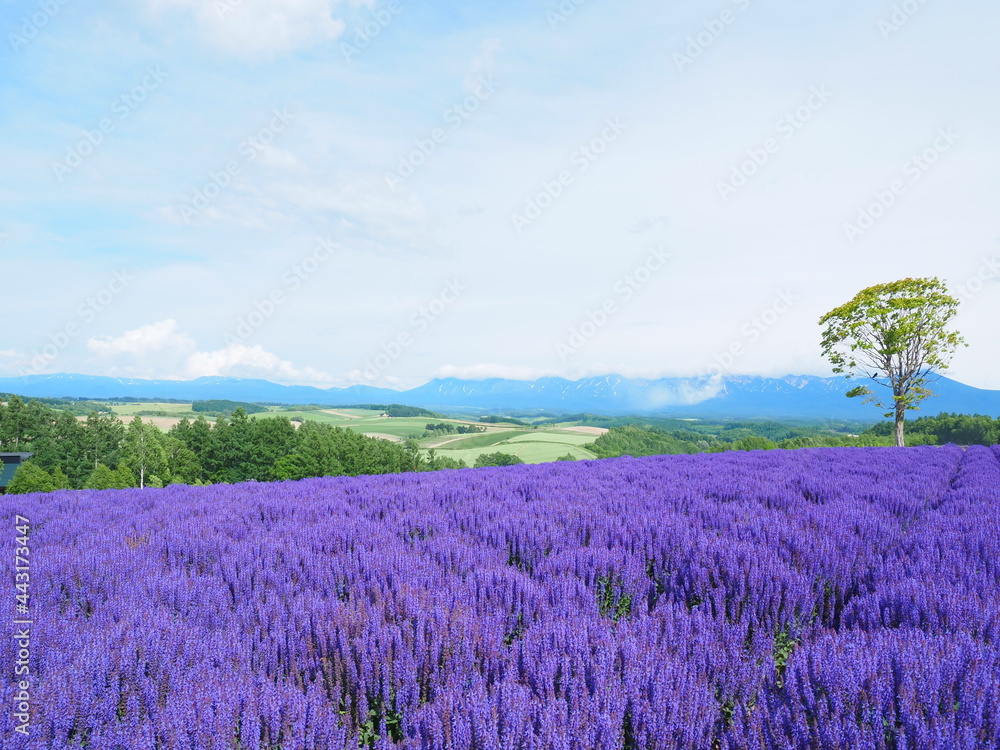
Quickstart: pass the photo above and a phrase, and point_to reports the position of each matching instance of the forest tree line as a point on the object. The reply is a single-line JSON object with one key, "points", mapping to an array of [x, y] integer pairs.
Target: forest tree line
{"points": [[102, 452], [636, 440]]}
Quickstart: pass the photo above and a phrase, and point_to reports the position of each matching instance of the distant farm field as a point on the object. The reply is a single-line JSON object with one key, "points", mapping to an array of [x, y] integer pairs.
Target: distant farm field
{"points": [[531, 446], [540, 445], [131, 409]]}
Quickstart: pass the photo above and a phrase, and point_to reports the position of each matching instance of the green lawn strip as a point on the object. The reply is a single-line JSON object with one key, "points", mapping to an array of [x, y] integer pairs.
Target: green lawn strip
{"points": [[130, 410], [315, 416], [568, 438], [544, 452], [484, 440], [532, 452]]}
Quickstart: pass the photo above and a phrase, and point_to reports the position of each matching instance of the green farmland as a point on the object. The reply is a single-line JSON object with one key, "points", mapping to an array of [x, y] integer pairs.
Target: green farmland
{"points": [[532, 446]]}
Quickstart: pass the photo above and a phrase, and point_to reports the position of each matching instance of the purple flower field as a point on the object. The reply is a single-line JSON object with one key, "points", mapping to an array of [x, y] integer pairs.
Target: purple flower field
{"points": [[819, 598]]}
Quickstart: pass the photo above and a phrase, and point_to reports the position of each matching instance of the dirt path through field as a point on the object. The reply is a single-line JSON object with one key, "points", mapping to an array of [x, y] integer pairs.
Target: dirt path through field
{"points": [[340, 414], [471, 435]]}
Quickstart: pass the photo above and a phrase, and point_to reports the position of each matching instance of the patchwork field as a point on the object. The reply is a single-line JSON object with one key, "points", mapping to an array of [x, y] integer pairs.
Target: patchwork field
{"points": [[530, 445], [131, 409], [127, 412], [829, 599]]}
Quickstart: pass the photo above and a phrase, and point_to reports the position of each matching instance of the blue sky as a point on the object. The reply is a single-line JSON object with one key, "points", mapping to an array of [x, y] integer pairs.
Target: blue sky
{"points": [[329, 193]]}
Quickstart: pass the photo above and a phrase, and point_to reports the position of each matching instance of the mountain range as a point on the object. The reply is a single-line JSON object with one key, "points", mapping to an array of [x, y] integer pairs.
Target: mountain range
{"points": [[804, 396]]}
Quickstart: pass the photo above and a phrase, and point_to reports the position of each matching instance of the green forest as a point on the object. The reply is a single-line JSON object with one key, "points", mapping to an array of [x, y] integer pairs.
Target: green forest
{"points": [[645, 440], [102, 452]]}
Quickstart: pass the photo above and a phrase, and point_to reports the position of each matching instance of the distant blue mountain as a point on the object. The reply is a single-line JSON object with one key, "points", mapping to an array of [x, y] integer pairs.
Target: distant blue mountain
{"points": [[734, 396], [237, 389]]}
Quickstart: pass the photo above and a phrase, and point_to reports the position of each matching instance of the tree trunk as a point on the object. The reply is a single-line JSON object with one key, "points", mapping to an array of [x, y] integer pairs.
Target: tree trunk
{"points": [[900, 416]]}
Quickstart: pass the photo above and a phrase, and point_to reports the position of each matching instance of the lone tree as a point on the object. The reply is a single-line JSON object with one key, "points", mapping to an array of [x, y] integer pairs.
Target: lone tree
{"points": [[895, 334]]}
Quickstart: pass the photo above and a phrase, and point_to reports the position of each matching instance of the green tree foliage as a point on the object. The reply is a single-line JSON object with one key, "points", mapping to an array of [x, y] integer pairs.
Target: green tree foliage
{"points": [[101, 453], [961, 429], [65, 450], [13, 425], [447, 428], [143, 452], [896, 335], [76, 407], [270, 448], [398, 410], [105, 434], [60, 481], [223, 406], [504, 420], [737, 430], [314, 456], [437, 462], [124, 478], [497, 459], [272, 438], [183, 466], [233, 450], [363, 455], [391, 410], [101, 478], [198, 438], [632, 440], [755, 443], [30, 477]]}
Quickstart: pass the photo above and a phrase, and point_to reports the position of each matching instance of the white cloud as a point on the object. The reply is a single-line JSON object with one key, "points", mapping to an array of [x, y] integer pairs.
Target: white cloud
{"points": [[240, 360], [486, 371], [255, 28], [143, 341], [687, 393], [154, 350]]}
